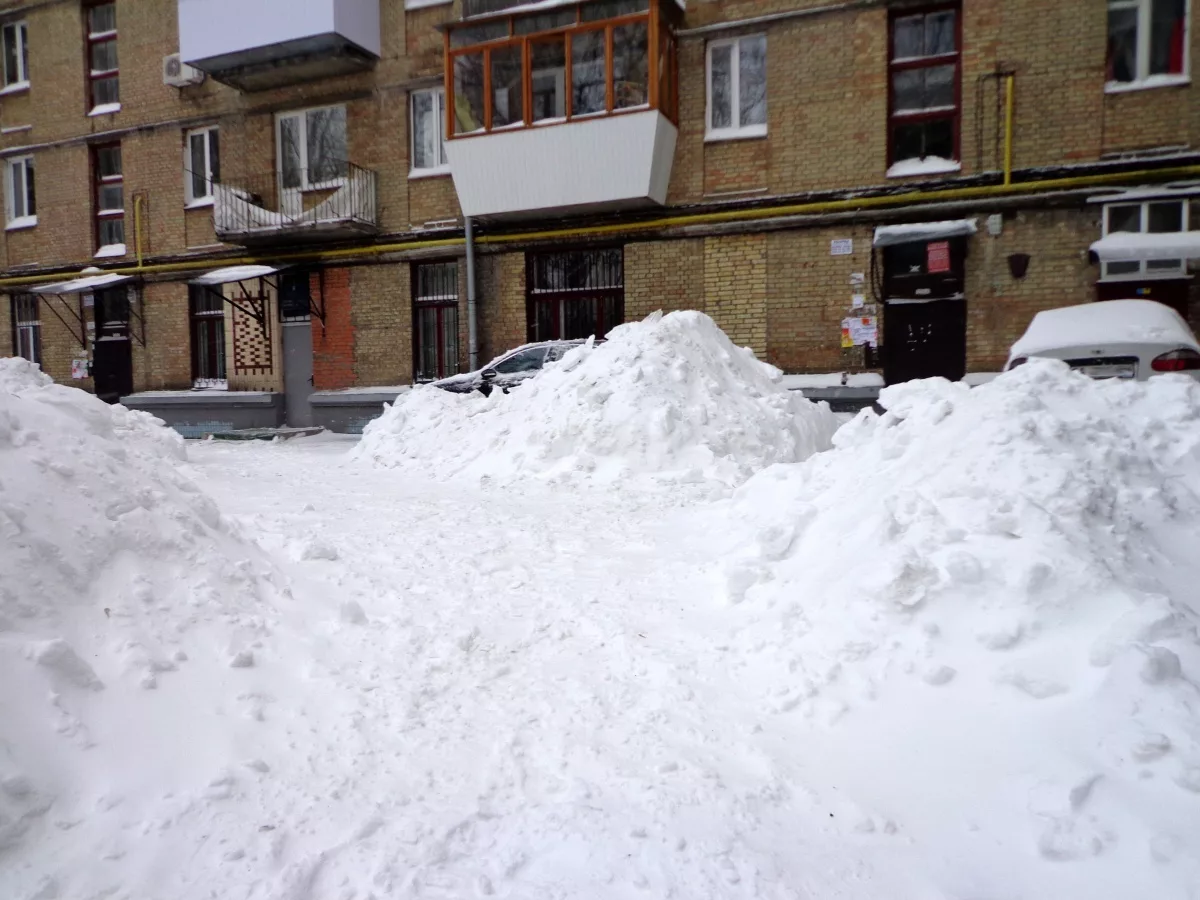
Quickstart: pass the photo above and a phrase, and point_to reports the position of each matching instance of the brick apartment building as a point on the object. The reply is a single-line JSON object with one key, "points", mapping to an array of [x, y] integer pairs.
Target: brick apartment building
{"points": [[263, 198]]}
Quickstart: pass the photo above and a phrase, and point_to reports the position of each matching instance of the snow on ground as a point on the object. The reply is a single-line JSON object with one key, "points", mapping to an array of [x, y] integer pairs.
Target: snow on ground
{"points": [[670, 397], [953, 658]]}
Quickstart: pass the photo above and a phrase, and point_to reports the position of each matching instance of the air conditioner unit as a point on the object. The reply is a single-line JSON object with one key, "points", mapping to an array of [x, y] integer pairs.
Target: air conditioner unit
{"points": [[178, 74]]}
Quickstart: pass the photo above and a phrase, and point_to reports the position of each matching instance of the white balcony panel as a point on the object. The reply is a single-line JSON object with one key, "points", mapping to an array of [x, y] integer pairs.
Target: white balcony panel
{"points": [[219, 28], [606, 163]]}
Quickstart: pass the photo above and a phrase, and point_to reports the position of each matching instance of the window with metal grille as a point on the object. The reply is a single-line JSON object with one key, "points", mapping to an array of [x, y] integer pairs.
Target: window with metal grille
{"points": [[575, 294], [27, 327], [435, 320], [103, 74], [924, 65], [208, 336]]}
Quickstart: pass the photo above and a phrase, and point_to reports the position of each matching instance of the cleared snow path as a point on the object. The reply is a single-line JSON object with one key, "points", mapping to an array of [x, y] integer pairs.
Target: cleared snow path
{"points": [[531, 703]]}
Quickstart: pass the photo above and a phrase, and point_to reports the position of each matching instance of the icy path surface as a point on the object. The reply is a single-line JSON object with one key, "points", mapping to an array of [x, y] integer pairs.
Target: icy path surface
{"points": [[533, 704]]}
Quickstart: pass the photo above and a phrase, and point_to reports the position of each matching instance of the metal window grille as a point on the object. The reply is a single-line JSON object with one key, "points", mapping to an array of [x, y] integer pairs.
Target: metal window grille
{"points": [[27, 327], [575, 294], [435, 314], [208, 336]]}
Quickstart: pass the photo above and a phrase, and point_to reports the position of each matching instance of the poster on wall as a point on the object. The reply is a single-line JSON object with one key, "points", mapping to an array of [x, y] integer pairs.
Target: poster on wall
{"points": [[860, 330], [937, 255], [79, 368]]}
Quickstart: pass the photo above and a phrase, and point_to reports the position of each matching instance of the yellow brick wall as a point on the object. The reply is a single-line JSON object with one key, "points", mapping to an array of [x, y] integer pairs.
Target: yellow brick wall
{"points": [[666, 275], [381, 312], [501, 303]]}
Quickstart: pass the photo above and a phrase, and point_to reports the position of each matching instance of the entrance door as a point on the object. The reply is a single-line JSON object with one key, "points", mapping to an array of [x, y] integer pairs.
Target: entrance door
{"points": [[112, 356], [925, 340], [298, 372], [1172, 292]]}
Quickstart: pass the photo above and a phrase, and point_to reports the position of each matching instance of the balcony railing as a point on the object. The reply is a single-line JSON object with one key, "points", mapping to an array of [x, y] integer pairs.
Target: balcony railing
{"points": [[336, 202]]}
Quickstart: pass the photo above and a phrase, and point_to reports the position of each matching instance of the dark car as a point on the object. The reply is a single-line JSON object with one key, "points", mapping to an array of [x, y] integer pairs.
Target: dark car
{"points": [[507, 371]]}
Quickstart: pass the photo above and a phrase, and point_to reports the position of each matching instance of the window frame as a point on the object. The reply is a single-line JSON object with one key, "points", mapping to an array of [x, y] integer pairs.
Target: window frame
{"points": [[215, 355], [907, 64], [439, 303], [211, 133], [27, 219], [1143, 78], [95, 76], [32, 327], [734, 131], [439, 114], [20, 30], [302, 115], [1144, 272], [98, 180]]}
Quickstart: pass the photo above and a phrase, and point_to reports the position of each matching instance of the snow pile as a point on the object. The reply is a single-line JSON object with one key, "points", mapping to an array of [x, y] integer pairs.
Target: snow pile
{"points": [[118, 576], [979, 617], [671, 397]]}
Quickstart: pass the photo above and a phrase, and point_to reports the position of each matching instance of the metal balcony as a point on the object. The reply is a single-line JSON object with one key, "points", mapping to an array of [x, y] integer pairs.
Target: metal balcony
{"points": [[297, 205]]}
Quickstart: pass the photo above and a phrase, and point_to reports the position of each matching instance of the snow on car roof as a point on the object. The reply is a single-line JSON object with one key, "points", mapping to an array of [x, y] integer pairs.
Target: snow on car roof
{"points": [[1104, 322]]}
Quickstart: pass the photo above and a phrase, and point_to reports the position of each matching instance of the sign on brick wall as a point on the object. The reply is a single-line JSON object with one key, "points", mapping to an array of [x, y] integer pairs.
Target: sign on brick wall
{"points": [[937, 257], [841, 247]]}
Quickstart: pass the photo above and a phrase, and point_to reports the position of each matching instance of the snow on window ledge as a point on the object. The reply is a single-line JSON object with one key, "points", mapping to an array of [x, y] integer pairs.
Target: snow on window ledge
{"points": [[930, 165], [22, 222], [424, 4], [110, 250], [202, 203], [430, 172], [15, 88], [1147, 84], [735, 134], [105, 109]]}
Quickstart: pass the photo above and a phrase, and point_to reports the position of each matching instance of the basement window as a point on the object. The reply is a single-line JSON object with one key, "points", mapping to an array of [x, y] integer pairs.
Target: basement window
{"points": [[924, 98], [1147, 43], [1151, 217], [737, 88]]}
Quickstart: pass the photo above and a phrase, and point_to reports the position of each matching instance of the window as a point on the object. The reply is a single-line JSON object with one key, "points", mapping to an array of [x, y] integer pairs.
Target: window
{"points": [[435, 314], [429, 131], [737, 87], [15, 38], [202, 165], [27, 327], [207, 308], [575, 294], [103, 77], [593, 59], [312, 148], [924, 73], [1150, 217], [110, 200], [20, 198], [1147, 41]]}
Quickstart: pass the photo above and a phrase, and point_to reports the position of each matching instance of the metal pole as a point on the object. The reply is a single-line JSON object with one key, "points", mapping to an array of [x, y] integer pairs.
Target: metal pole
{"points": [[472, 327]]}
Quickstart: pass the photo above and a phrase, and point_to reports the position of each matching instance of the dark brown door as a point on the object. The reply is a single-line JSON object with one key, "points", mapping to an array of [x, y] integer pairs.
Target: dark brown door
{"points": [[925, 340], [112, 358], [1172, 292]]}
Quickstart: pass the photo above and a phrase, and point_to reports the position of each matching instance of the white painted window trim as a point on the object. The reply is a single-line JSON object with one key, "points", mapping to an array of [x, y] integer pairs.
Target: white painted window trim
{"points": [[734, 131], [191, 201], [24, 219], [1144, 273], [302, 115], [21, 30], [1144, 80], [439, 106]]}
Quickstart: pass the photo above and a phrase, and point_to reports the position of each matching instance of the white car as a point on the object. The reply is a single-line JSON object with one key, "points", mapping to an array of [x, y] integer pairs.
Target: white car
{"points": [[1112, 339]]}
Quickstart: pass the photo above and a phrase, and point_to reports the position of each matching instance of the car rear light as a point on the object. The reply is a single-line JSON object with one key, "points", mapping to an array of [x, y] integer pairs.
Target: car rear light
{"points": [[1019, 361], [1185, 360]]}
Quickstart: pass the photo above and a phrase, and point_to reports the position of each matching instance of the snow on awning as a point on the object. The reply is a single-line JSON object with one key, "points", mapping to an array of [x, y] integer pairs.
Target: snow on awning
{"points": [[81, 285], [231, 274], [890, 235], [1127, 246]]}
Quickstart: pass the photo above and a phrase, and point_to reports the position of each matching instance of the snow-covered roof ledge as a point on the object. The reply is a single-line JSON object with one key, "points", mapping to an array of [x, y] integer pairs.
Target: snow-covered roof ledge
{"points": [[889, 235], [1127, 246]]}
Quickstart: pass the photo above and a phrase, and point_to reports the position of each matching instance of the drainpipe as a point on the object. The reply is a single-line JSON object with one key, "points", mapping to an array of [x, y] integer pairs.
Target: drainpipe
{"points": [[472, 327]]}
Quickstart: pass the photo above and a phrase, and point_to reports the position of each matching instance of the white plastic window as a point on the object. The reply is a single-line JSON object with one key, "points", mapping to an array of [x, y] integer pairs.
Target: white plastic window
{"points": [[14, 37], [19, 195], [428, 111], [201, 165], [312, 148], [1147, 43], [1150, 217], [737, 88]]}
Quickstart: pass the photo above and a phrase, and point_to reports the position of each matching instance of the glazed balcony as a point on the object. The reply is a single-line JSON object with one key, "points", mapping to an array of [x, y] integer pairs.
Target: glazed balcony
{"points": [[337, 203], [567, 109], [263, 44]]}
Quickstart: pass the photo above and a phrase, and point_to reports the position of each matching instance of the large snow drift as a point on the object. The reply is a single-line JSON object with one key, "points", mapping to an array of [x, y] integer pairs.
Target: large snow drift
{"points": [[979, 616], [671, 397], [118, 581]]}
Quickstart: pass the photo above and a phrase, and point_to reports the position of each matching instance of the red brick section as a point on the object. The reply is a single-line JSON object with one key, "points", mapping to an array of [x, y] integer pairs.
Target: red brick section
{"points": [[333, 342]]}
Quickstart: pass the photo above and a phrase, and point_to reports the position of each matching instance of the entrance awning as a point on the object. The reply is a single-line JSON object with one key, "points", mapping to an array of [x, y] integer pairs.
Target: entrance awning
{"points": [[81, 285], [923, 232], [230, 274], [1124, 246]]}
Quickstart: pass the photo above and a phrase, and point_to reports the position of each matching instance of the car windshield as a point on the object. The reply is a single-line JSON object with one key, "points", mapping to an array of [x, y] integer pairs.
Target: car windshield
{"points": [[525, 361]]}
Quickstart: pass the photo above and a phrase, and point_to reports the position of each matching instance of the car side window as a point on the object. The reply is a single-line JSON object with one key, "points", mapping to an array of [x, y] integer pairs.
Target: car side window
{"points": [[558, 351], [525, 361]]}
